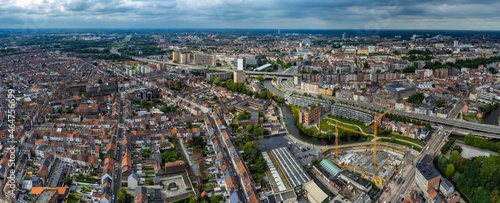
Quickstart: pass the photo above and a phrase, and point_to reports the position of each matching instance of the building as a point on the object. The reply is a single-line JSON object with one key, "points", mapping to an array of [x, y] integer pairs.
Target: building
{"points": [[330, 167], [446, 187], [222, 75], [310, 114], [352, 113], [251, 60], [239, 76], [344, 36], [400, 90], [314, 193], [306, 101], [205, 59], [242, 64], [426, 176], [176, 56], [175, 167], [185, 57]]}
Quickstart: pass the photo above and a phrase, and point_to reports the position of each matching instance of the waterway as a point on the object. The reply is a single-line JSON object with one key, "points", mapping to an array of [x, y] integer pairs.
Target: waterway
{"points": [[290, 122], [492, 117]]}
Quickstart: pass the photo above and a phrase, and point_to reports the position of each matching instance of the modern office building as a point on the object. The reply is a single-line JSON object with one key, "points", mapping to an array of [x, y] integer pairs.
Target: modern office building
{"points": [[352, 113], [310, 114], [239, 76], [241, 63], [185, 58]]}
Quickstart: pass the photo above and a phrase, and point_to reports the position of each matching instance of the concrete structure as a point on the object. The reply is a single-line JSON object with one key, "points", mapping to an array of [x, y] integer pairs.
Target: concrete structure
{"points": [[352, 113], [176, 56], [239, 76], [310, 114], [205, 59], [400, 90], [306, 101], [222, 75], [426, 176]]}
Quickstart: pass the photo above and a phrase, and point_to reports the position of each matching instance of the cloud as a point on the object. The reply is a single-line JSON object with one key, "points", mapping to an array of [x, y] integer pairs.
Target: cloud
{"points": [[295, 14]]}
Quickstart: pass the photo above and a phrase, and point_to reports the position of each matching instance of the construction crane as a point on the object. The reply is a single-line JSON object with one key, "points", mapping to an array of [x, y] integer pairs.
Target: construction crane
{"points": [[337, 126], [375, 136]]}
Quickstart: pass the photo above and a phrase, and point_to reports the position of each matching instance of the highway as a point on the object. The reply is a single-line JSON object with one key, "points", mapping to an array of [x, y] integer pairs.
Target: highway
{"points": [[490, 131]]}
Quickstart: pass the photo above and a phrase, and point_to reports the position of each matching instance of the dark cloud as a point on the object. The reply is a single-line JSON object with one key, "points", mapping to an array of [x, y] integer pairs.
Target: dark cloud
{"points": [[307, 14]]}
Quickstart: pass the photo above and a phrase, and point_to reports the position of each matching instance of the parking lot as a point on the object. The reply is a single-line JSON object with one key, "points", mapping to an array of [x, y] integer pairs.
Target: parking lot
{"points": [[304, 153]]}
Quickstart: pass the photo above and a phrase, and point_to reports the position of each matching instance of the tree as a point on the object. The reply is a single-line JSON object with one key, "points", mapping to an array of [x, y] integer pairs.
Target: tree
{"points": [[249, 128], [260, 78], [216, 199], [68, 180], [366, 65], [440, 103], [455, 158], [314, 162], [330, 134], [217, 81], [450, 170], [122, 195]]}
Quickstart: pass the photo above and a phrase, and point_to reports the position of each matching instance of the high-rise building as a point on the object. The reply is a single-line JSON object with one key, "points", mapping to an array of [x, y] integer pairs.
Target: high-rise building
{"points": [[344, 36], [205, 59], [185, 57], [239, 76], [241, 63], [176, 56], [455, 44]]}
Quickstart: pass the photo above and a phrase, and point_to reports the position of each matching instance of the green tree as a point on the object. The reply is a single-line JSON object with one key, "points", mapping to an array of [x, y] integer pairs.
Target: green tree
{"points": [[68, 180], [455, 158], [216, 199], [366, 65], [217, 81], [330, 134], [122, 195], [249, 128], [450, 170], [440, 103]]}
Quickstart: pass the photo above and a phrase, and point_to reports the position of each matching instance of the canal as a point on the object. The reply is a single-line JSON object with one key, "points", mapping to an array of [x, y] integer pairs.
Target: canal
{"points": [[492, 117], [290, 122]]}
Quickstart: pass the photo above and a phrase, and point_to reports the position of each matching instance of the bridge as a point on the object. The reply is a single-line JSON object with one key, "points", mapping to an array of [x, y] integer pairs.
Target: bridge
{"points": [[249, 73]]}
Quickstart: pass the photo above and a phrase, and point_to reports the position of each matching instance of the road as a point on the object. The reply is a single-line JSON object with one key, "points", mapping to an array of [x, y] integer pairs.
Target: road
{"points": [[232, 170], [408, 174], [118, 160], [490, 131]]}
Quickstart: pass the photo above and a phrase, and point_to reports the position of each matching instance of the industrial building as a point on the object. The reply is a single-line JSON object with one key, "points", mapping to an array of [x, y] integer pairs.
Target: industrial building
{"points": [[400, 90]]}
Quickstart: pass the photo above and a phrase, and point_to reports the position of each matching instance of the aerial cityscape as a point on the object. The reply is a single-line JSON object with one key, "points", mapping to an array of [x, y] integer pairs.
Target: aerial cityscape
{"points": [[244, 101]]}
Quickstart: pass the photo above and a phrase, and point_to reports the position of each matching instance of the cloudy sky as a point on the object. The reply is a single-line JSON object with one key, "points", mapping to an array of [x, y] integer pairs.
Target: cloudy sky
{"points": [[284, 14]]}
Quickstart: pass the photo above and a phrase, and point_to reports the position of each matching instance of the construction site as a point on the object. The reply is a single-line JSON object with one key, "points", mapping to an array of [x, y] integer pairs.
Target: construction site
{"points": [[359, 159], [371, 161]]}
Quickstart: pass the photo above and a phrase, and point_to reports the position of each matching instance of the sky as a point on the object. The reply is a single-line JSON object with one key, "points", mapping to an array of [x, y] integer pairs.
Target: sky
{"points": [[268, 14]]}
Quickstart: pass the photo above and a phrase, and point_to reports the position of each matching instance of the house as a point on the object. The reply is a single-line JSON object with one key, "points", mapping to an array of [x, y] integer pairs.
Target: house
{"points": [[141, 195], [132, 181]]}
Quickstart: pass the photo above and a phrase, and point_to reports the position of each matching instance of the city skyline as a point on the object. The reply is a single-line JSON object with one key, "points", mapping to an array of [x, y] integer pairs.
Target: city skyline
{"points": [[244, 14]]}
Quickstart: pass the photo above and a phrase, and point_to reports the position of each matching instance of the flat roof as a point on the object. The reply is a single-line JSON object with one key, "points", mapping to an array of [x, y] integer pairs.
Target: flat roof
{"points": [[272, 143]]}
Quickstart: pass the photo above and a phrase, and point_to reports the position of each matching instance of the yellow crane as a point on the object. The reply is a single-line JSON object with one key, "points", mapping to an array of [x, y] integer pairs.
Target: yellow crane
{"points": [[375, 136], [337, 126]]}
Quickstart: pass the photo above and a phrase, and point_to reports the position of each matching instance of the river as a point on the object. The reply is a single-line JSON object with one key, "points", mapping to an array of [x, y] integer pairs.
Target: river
{"points": [[492, 117], [290, 122]]}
